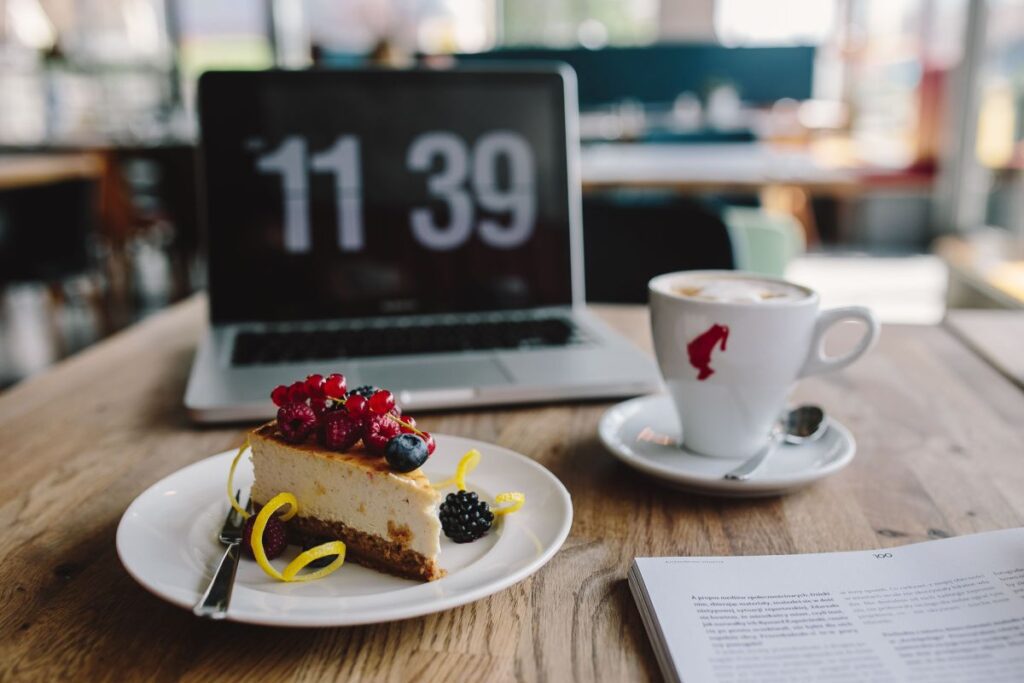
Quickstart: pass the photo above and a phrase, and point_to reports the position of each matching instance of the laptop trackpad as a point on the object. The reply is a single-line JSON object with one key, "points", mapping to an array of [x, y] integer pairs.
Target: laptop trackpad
{"points": [[412, 374]]}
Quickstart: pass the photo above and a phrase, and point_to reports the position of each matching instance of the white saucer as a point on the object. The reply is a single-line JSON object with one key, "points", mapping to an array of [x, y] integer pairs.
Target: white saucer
{"points": [[792, 467], [167, 542]]}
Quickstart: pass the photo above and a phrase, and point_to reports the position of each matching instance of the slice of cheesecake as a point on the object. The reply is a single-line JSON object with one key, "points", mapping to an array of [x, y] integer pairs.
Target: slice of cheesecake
{"points": [[388, 521]]}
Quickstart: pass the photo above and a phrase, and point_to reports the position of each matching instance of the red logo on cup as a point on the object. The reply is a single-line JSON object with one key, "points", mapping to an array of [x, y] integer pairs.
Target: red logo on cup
{"points": [[701, 347]]}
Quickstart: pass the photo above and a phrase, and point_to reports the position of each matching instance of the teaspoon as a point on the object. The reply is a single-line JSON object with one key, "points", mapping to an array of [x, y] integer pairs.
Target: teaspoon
{"points": [[802, 424]]}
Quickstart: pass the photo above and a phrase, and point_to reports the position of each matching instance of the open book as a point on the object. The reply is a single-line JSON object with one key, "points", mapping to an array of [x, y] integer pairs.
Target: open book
{"points": [[947, 610]]}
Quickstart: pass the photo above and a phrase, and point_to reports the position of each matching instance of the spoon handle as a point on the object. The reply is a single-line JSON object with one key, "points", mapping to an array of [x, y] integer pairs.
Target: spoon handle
{"points": [[754, 462]]}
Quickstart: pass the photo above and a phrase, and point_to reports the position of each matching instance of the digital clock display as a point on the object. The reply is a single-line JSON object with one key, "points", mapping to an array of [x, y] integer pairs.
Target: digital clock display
{"points": [[357, 193]]}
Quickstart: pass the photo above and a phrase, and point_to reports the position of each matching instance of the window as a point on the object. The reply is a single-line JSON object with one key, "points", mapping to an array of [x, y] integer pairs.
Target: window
{"points": [[779, 22], [591, 23]]}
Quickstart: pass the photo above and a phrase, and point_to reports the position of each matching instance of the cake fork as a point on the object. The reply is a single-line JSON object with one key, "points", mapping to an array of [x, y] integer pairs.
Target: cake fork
{"points": [[214, 603]]}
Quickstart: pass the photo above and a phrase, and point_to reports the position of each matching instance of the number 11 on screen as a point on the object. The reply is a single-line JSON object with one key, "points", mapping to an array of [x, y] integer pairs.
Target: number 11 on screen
{"points": [[466, 179]]}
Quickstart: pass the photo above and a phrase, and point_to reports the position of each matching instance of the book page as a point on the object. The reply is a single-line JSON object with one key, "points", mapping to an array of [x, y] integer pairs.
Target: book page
{"points": [[947, 610]]}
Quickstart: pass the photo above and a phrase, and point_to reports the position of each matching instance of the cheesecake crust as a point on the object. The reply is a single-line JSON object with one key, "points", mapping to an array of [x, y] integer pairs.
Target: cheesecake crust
{"points": [[366, 549]]}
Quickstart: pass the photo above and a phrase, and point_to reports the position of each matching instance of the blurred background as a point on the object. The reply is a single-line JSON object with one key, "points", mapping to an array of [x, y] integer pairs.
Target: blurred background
{"points": [[868, 148]]}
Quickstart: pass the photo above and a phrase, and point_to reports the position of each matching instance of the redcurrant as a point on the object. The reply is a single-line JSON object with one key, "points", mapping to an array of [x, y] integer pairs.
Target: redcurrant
{"points": [[431, 444], [297, 392], [315, 386], [279, 395], [356, 405], [382, 402], [335, 386]]}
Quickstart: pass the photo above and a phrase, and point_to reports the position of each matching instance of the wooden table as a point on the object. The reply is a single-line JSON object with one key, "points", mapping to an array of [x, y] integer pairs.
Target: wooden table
{"points": [[786, 178], [732, 167], [940, 436]]}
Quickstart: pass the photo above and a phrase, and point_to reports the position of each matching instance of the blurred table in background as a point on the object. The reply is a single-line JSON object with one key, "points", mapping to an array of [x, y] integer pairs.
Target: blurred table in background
{"points": [[91, 238], [986, 269], [48, 229], [739, 167], [783, 177], [996, 336], [29, 170]]}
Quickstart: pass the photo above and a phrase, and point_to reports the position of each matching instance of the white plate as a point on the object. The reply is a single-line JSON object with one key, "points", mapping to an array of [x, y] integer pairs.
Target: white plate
{"points": [[656, 454], [167, 542]]}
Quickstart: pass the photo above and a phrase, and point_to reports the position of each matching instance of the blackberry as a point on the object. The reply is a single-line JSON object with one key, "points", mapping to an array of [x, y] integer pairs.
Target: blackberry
{"points": [[323, 561], [366, 391], [464, 517]]}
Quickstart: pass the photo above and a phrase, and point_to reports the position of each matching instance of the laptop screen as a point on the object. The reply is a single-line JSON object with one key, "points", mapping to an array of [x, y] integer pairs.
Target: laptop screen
{"points": [[333, 194]]}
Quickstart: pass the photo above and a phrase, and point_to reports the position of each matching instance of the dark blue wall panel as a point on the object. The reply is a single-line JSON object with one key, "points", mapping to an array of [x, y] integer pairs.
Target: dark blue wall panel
{"points": [[658, 73]]}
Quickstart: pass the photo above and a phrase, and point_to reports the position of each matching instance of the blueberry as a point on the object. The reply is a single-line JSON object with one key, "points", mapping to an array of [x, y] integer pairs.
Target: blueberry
{"points": [[406, 452]]}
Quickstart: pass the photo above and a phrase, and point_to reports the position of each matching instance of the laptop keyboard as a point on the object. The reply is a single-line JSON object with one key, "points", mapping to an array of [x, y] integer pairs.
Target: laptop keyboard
{"points": [[261, 348]]}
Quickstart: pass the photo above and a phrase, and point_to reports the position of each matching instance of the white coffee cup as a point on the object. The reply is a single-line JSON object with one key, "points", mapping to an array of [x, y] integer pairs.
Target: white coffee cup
{"points": [[731, 345]]}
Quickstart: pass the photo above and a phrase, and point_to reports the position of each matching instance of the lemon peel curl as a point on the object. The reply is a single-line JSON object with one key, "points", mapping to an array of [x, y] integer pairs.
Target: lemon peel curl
{"points": [[467, 464], [516, 498], [291, 572], [231, 477]]}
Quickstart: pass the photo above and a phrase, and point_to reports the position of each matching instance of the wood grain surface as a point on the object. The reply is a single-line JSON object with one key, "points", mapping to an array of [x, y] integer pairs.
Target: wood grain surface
{"points": [[940, 442]]}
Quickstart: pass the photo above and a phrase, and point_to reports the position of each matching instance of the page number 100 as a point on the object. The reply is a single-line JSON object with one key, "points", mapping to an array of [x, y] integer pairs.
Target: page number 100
{"points": [[465, 180]]}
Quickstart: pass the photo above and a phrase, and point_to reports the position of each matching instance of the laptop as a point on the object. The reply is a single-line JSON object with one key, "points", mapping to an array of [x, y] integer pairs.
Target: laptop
{"points": [[415, 230]]}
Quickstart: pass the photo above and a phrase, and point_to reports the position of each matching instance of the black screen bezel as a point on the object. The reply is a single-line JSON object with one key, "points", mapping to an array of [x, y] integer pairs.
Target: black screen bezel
{"points": [[558, 79]]}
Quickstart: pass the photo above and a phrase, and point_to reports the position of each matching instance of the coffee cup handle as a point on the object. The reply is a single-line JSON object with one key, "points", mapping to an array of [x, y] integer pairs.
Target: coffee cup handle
{"points": [[817, 362]]}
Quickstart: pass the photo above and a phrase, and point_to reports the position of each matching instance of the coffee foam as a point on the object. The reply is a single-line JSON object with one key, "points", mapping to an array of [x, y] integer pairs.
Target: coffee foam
{"points": [[737, 290]]}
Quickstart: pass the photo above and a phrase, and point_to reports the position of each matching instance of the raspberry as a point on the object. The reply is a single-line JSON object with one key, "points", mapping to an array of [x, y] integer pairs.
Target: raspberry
{"points": [[339, 431], [382, 402], [297, 392], [464, 517], [335, 386], [279, 395], [275, 540], [295, 421], [319, 405], [356, 405], [379, 430]]}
